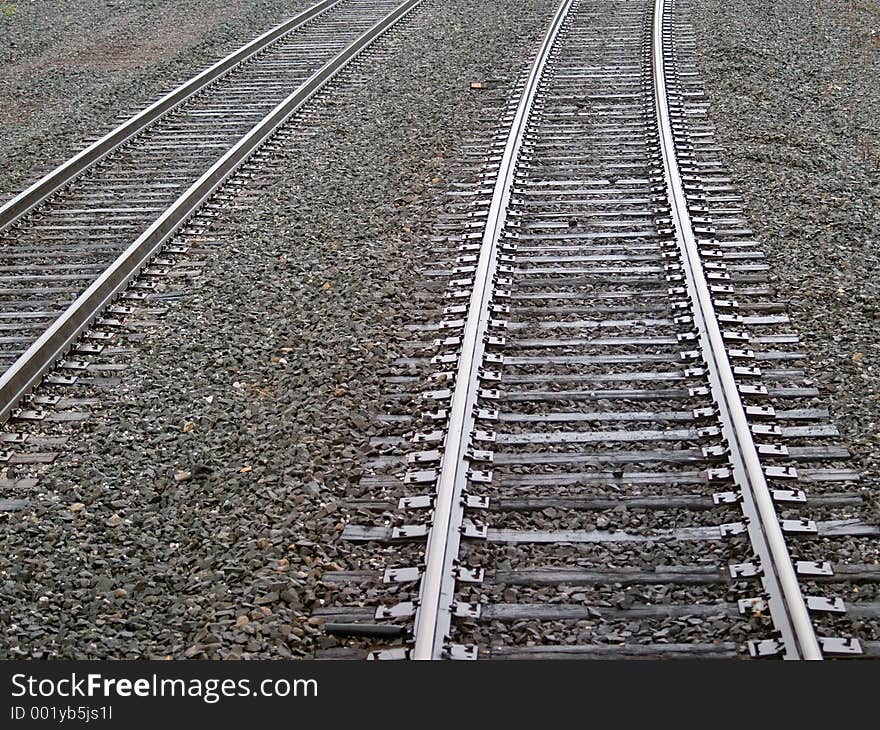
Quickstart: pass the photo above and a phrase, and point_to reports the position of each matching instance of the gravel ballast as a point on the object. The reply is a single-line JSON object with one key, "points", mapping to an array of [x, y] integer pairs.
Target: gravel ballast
{"points": [[794, 94], [192, 518]]}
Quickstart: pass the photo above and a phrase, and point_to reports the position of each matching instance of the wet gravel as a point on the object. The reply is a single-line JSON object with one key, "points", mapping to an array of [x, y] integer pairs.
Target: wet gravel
{"points": [[794, 94], [193, 518], [68, 68]]}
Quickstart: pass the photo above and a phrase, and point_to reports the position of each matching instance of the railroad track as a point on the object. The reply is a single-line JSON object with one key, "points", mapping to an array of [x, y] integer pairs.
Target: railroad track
{"points": [[72, 243], [613, 452]]}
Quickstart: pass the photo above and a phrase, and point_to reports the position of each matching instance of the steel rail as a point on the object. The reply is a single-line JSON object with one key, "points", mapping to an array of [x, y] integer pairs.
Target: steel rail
{"points": [[29, 368], [23, 203], [437, 587], [788, 609]]}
